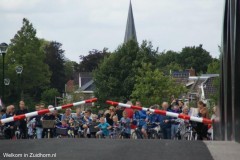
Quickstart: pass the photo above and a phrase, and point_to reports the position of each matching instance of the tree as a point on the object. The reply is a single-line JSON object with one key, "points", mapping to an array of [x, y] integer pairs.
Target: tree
{"points": [[55, 59], [90, 62], [70, 69], [195, 57], [170, 68], [115, 77], [214, 68], [153, 87], [166, 58], [48, 96], [25, 50]]}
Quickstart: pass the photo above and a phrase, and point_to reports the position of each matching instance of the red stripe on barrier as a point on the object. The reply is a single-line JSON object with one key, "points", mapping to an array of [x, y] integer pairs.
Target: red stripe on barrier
{"points": [[184, 116], [43, 111], [91, 100], [67, 106], [112, 103], [162, 112], [207, 121], [136, 107], [19, 117]]}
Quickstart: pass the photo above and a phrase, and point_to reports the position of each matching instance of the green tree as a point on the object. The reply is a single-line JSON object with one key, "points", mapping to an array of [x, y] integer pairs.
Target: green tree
{"points": [[70, 69], [48, 96], [214, 68], [170, 68], [115, 77], [55, 59], [25, 50], [166, 58], [152, 87], [90, 62], [195, 57]]}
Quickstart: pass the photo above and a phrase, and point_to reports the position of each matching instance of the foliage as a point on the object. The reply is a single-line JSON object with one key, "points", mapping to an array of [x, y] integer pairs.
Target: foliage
{"points": [[195, 57], [152, 87], [55, 59], [190, 57], [70, 69], [115, 77], [214, 68], [48, 96], [173, 66], [25, 50], [90, 62]]}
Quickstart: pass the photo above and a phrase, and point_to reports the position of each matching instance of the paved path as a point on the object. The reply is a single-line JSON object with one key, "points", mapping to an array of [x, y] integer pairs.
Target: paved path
{"points": [[224, 150], [107, 149]]}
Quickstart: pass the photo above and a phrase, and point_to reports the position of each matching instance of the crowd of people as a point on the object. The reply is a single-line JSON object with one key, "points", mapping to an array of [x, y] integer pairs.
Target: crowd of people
{"points": [[114, 122]]}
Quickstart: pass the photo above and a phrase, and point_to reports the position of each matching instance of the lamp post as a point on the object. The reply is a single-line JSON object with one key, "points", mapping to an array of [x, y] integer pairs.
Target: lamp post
{"points": [[56, 98], [3, 50], [19, 70], [6, 81]]}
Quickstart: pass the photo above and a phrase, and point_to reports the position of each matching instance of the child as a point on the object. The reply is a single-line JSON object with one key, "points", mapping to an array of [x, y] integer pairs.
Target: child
{"points": [[62, 129], [125, 124], [115, 128], [92, 129], [115, 122], [104, 127]]}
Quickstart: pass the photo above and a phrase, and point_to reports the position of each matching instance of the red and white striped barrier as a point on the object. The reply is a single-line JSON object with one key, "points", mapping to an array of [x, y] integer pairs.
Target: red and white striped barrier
{"points": [[40, 112], [163, 112]]}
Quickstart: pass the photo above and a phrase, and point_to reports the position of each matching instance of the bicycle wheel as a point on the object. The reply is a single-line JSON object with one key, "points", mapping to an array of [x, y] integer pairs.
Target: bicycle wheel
{"points": [[187, 136], [134, 135], [153, 135]]}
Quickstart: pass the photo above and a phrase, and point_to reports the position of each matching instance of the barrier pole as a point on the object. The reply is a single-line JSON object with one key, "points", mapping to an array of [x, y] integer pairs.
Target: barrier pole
{"points": [[40, 112], [163, 112]]}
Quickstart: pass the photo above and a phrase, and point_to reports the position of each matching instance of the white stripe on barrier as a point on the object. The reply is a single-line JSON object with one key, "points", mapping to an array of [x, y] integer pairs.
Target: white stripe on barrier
{"points": [[171, 114], [145, 109], [124, 105], [31, 114], [152, 110], [196, 119], [7, 120], [78, 103]]}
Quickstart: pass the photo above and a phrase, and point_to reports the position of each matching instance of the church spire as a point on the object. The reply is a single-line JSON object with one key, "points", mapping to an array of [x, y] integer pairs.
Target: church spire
{"points": [[130, 32]]}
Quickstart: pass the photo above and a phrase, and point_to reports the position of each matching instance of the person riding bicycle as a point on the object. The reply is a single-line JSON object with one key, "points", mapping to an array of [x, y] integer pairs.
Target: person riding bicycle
{"points": [[9, 128], [104, 128], [87, 119], [153, 118], [139, 117], [22, 124], [175, 122], [77, 121], [115, 130], [125, 123]]}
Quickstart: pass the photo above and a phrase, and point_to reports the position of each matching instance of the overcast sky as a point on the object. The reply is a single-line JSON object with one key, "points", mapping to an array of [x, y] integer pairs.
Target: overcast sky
{"points": [[83, 25]]}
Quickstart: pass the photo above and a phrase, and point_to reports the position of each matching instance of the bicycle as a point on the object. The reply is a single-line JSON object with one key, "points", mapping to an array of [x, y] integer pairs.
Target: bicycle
{"points": [[137, 133], [189, 134], [152, 132], [116, 132]]}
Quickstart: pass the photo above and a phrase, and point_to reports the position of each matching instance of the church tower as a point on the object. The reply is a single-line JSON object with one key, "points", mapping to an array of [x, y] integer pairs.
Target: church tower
{"points": [[130, 32]]}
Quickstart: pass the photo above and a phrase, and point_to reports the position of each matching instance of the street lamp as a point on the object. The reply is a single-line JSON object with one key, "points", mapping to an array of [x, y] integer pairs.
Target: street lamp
{"points": [[3, 50], [19, 70], [56, 98], [6, 81]]}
